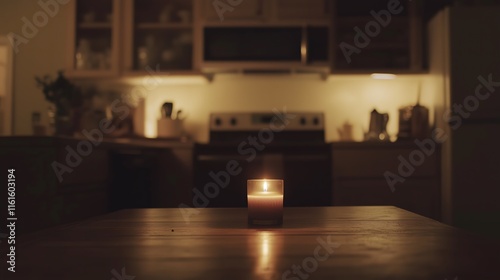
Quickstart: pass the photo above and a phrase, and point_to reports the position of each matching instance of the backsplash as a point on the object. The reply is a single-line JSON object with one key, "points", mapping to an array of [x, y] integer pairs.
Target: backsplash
{"points": [[342, 98]]}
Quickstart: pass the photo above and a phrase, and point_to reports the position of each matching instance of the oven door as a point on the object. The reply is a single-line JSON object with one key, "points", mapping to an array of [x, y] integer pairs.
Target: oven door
{"points": [[306, 173]]}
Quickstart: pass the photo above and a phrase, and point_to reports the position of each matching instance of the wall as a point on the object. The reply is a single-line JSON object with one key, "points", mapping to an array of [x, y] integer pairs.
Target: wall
{"points": [[5, 87], [41, 55], [342, 98]]}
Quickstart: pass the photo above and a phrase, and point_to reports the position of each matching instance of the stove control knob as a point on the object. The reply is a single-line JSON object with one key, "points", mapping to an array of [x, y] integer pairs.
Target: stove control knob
{"points": [[233, 121], [218, 122], [303, 121], [316, 121]]}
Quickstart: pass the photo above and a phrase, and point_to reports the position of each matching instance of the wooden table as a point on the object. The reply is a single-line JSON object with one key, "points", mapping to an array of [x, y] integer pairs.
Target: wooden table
{"points": [[376, 242]]}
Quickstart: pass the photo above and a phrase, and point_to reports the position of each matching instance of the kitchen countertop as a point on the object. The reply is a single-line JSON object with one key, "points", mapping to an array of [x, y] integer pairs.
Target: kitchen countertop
{"points": [[126, 142], [377, 144], [142, 142]]}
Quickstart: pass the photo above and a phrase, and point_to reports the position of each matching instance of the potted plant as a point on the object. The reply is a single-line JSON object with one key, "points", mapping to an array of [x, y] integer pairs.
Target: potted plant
{"points": [[66, 99]]}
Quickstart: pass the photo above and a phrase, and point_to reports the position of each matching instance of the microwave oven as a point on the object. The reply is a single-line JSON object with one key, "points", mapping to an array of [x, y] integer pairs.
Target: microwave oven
{"points": [[267, 47]]}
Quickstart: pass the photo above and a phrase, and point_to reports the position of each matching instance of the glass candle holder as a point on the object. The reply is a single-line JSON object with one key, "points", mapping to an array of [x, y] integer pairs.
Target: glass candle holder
{"points": [[265, 202]]}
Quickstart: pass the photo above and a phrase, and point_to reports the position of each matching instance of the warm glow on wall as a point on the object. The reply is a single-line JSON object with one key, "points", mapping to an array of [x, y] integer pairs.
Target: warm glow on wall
{"points": [[166, 80], [342, 98]]}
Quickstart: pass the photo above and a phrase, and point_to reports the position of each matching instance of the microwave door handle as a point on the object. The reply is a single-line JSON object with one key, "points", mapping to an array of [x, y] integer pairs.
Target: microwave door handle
{"points": [[303, 46]]}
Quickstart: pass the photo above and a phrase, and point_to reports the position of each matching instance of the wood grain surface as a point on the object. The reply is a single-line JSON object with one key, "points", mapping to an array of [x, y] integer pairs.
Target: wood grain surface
{"points": [[372, 242]]}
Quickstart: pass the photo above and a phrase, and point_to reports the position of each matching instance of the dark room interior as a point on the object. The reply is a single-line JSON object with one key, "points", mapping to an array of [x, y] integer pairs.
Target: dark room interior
{"points": [[250, 139]]}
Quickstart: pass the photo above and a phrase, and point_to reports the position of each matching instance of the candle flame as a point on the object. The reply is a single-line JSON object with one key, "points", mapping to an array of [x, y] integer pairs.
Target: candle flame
{"points": [[265, 186]]}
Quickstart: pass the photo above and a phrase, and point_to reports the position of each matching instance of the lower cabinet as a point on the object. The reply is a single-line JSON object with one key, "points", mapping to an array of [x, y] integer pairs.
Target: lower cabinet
{"points": [[398, 174], [59, 180], [143, 177], [56, 181], [173, 177]]}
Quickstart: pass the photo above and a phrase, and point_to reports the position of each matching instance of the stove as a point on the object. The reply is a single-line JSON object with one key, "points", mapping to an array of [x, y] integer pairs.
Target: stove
{"points": [[283, 127], [279, 144]]}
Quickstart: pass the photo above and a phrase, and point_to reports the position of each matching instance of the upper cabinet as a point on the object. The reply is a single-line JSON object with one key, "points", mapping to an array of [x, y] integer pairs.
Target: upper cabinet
{"points": [[159, 36], [235, 10], [377, 35], [303, 9], [265, 11], [138, 37], [95, 37]]}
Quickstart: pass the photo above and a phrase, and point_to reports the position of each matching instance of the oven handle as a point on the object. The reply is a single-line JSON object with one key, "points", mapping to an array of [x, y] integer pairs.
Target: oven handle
{"points": [[222, 157], [307, 157], [242, 158]]}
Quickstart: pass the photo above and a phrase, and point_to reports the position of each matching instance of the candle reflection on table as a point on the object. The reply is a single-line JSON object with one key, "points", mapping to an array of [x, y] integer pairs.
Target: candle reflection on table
{"points": [[267, 247]]}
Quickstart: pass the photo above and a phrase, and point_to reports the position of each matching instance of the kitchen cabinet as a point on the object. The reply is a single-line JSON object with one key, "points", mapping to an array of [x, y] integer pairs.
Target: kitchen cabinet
{"points": [[173, 177], [94, 34], [113, 38], [159, 36], [272, 11], [359, 176], [115, 174], [235, 10], [44, 199], [150, 177], [377, 36], [303, 9]]}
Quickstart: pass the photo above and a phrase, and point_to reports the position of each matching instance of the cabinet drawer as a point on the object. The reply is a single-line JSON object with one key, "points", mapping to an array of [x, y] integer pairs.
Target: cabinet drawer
{"points": [[374, 163]]}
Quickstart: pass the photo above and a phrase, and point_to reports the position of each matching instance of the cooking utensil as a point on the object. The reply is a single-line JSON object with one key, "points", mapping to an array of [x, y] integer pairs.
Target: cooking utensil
{"points": [[166, 110], [419, 118], [178, 115]]}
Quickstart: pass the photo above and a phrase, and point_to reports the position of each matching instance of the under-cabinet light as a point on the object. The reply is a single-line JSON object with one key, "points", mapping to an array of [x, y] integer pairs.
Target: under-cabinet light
{"points": [[383, 76]]}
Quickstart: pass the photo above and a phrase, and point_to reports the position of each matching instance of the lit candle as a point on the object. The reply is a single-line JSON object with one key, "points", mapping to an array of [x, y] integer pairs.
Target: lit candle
{"points": [[265, 201]]}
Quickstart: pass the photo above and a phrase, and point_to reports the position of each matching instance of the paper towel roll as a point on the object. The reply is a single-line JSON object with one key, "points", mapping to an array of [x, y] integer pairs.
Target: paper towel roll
{"points": [[170, 128], [140, 118]]}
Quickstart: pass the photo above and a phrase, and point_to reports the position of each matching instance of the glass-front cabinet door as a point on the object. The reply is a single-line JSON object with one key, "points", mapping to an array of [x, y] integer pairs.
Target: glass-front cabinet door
{"points": [[94, 31], [377, 35], [161, 37]]}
